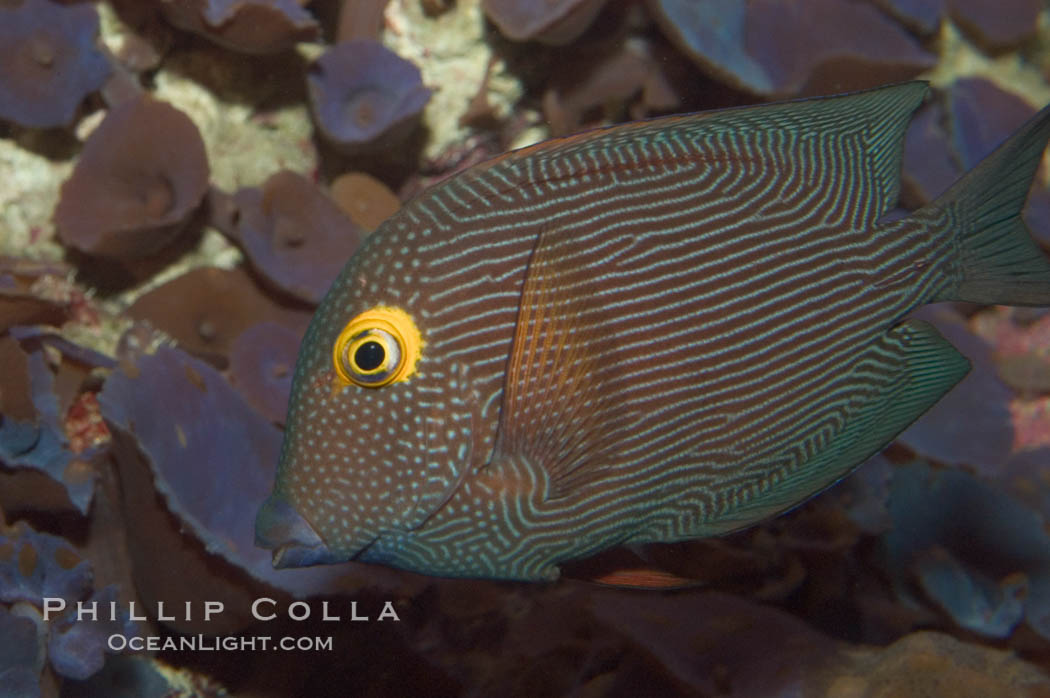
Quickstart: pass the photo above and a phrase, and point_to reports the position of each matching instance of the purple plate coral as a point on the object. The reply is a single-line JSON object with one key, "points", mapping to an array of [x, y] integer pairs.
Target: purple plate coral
{"points": [[971, 424], [206, 309], [549, 21], [365, 95], [77, 648], [261, 366], [45, 578], [781, 47], [142, 174], [921, 15], [295, 235], [37, 565], [40, 441], [929, 166], [974, 550], [364, 199], [633, 71], [20, 657], [212, 459], [953, 134], [49, 61], [983, 116], [250, 26]]}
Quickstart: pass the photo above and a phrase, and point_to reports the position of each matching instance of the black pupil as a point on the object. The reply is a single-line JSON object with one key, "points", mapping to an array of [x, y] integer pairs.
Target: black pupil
{"points": [[369, 356]]}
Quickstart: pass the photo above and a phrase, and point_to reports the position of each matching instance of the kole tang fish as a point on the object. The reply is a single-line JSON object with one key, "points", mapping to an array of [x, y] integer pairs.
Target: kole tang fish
{"points": [[652, 332]]}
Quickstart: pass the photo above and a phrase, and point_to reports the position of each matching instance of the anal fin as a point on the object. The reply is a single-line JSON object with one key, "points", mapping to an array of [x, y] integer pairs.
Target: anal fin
{"points": [[918, 365]]}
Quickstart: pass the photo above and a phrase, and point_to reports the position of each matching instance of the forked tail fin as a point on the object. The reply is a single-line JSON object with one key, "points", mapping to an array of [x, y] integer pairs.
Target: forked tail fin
{"points": [[998, 262]]}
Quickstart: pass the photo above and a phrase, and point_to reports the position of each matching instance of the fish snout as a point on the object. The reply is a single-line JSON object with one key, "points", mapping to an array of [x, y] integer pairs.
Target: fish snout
{"points": [[295, 543]]}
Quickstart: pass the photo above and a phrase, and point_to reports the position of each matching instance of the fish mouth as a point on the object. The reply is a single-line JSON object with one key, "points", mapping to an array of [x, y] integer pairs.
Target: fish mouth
{"points": [[294, 541]]}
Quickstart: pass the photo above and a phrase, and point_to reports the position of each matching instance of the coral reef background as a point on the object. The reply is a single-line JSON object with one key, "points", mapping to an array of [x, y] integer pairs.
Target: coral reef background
{"points": [[181, 179]]}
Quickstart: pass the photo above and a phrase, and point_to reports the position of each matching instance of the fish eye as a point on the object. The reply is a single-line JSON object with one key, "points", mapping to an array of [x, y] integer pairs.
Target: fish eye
{"points": [[378, 347], [370, 356]]}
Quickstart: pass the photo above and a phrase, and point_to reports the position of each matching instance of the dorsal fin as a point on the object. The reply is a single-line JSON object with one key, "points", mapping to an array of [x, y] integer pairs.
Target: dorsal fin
{"points": [[849, 144], [559, 405]]}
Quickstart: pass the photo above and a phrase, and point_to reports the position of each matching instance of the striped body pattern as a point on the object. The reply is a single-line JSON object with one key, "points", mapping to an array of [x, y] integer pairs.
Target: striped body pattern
{"points": [[652, 332]]}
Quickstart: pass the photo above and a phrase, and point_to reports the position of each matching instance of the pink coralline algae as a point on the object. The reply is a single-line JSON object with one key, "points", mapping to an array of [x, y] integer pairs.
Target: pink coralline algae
{"points": [[20, 306], [41, 293], [49, 61], [365, 96], [781, 47], [294, 235], [250, 26], [33, 425], [142, 174], [1022, 349]]}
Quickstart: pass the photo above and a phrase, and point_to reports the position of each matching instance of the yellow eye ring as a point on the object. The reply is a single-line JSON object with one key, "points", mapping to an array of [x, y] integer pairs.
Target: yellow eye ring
{"points": [[378, 347]]}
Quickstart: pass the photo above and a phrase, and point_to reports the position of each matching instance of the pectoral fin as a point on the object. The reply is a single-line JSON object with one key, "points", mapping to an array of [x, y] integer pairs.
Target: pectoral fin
{"points": [[560, 409]]}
